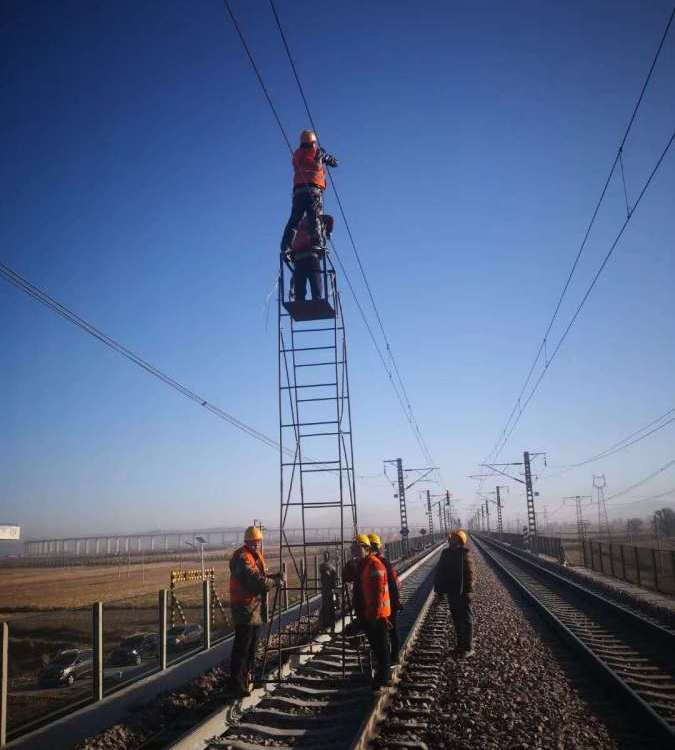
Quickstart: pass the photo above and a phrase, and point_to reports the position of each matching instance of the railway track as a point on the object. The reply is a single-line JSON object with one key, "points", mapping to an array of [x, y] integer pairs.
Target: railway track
{"points": [[317, 706], [631, 654]]}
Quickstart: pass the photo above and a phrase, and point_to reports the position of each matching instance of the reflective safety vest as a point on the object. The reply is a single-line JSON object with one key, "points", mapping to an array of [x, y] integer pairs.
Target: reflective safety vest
{"points": [[240, 593], [374, 589], [308, 169]]}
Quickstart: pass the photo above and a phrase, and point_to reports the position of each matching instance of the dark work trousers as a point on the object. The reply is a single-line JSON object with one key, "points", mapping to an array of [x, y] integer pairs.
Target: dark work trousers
{"points": [[378, 638], [242, 660], [394, 640], [304, 270], [306, 200], [327, 614], [463, 619]]}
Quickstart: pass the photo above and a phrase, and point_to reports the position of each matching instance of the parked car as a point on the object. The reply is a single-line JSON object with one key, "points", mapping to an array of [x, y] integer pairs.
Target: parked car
{"points": [[67, 666], [133, 649], [184, 636]]}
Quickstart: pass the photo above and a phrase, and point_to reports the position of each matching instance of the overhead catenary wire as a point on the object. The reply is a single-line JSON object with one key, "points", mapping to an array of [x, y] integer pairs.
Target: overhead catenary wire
{"points": [[20, 282], [518, 407], [635, 437], [407, 405], [590, 288], [648, 478]]}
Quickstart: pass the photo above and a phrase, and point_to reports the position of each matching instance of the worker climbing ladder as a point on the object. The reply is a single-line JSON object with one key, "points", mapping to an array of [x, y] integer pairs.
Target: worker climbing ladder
{"points": [[317, 483]]}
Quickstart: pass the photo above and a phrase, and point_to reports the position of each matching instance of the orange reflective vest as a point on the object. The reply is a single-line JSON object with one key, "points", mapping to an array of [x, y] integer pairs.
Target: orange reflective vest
{"points": [[308, 170], [240, 593], [374, 589]]}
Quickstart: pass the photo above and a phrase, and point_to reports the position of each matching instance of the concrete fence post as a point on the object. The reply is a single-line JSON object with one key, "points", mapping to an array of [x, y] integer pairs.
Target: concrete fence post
{"points": [[206, 599], [4, 663], [656, 569], [623, 563], [97, 641], [637, 566], [162, 628]]}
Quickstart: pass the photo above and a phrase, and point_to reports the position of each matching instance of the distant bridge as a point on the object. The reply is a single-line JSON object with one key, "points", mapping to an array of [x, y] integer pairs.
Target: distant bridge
{"points": [[172, 541]]}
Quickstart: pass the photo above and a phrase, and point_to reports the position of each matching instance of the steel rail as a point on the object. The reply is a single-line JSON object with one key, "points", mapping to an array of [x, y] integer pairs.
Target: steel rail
{"points": [[654, 723]]}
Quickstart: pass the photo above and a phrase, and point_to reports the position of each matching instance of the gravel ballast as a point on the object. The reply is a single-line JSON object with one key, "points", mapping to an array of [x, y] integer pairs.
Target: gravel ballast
{"points": [[514, 692]]}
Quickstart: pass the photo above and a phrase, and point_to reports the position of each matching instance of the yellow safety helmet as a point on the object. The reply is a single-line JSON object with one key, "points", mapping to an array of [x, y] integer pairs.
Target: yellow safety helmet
{"points": [[362, 539], [253, 534], [375, 540], [308, 136], [459, 534]]}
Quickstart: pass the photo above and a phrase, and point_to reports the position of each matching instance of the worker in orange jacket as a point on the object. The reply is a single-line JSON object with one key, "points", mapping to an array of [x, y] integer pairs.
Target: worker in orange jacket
{"points": [[249, 584], [309, 183], [307, 260], [371, 604], [394, 595]]}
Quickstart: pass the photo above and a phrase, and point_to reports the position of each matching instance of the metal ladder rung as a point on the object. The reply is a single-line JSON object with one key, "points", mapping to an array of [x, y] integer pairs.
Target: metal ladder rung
{"points": [[316, 330], [308, 348], [325, 434], [307, 424], [309, 385], [308, 463], [323, 398], [321, 364]]}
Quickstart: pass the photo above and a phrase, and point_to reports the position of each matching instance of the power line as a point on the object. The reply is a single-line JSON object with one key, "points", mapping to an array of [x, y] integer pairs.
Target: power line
{"points": [[610, 252], [517, 408], [626, 442], [412, 419], [663, 468], [644, 499], [26, 286]]}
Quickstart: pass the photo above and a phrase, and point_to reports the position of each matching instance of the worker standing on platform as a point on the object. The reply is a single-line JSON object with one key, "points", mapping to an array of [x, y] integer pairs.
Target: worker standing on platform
{"points": [[394, 595], [309, 182], [307, 260], [454, 577], [328, 576], [371, 604], [249, 584]]}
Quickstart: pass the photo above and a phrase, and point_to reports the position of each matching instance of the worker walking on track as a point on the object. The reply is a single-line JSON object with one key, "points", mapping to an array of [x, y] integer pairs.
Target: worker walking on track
{"points": [[394, 596], [249, 584], [309, 183], [454, 576], [371, 604]]}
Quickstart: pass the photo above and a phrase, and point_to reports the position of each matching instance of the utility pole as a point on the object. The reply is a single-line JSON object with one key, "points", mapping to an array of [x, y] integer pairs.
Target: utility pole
{"points": [[487, 515], [529, 492], [599, 483], [500, 525], [529, 489], [402, 488], [581, 530], [430, 516], [401, 501]]}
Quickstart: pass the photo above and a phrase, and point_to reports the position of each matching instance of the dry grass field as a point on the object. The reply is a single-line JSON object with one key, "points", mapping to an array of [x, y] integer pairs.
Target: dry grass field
{"points": [[24, 590]]}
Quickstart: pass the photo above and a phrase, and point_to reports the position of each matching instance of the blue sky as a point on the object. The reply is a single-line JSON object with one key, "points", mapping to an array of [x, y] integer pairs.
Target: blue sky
{"points": [[146, 186]]}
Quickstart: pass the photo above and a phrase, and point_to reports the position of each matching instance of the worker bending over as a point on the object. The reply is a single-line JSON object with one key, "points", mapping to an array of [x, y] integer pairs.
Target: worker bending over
{"points": [[309, 182], [249, 584], [371, 604], [394, 596], [454, 577], [306, 259]]}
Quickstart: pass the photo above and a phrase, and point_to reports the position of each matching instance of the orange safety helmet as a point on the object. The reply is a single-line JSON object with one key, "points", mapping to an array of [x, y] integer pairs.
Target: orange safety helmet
{"points": [[308, 136], [253, 534], [458, 534]]}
